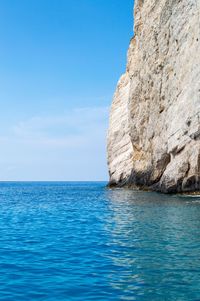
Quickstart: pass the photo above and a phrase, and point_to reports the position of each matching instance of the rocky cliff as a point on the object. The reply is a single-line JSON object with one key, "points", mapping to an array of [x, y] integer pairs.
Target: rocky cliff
{"points": [[154, 132]]}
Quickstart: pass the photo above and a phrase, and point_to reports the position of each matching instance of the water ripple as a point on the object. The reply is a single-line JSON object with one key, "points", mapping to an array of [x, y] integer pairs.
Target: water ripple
{"points": [[81, 241]]}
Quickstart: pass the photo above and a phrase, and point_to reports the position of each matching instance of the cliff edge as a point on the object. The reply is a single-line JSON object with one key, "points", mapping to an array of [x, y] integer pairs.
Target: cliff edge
{"points": [[154, 131]]}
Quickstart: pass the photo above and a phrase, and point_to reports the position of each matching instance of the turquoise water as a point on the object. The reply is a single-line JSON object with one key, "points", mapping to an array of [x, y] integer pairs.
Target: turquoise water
{"points": [[80, 241]]}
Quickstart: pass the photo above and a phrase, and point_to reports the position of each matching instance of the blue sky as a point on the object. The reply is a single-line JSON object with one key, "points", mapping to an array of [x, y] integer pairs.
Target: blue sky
{"points": [[60, 62]]}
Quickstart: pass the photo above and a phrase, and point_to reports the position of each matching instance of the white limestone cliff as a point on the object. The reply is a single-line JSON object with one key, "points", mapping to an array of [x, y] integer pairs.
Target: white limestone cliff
{"points": [[154, 132]]}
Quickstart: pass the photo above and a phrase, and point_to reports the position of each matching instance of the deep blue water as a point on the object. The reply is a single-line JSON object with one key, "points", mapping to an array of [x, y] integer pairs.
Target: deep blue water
{"points": [[81, 241]]}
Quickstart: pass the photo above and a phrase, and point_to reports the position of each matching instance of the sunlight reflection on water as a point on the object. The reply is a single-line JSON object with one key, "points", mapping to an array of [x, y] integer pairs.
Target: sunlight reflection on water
{"points": [[81, 241]]}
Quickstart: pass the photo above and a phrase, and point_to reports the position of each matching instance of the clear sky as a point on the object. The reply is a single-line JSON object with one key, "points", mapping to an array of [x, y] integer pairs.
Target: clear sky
{"points": [[60, 62]]}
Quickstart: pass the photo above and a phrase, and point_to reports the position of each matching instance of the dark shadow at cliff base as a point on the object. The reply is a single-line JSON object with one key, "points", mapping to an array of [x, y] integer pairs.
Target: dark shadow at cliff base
{"points": [[142, 181]]}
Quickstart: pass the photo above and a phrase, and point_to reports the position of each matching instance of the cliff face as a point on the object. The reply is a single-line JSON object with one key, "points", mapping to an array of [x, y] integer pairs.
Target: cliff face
{"points": [[154, 132]]}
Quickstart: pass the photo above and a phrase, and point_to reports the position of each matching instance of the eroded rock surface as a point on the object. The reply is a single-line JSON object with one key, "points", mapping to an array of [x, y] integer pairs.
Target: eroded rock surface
{"points": [[154, 132]]}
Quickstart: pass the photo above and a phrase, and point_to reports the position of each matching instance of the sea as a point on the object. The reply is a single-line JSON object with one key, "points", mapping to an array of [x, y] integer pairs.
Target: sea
{"points": [[65, 241]]}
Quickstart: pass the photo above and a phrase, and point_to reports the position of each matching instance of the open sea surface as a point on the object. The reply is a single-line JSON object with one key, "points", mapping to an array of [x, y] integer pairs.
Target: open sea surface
{"points": [[80, 241]]}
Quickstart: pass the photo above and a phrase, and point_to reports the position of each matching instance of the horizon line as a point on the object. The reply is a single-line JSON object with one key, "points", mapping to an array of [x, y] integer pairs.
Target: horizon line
{"points": [[53, 181]]}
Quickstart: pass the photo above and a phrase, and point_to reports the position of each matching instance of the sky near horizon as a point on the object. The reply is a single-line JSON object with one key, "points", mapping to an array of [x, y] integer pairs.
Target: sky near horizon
{"points": [[60, 63]]}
